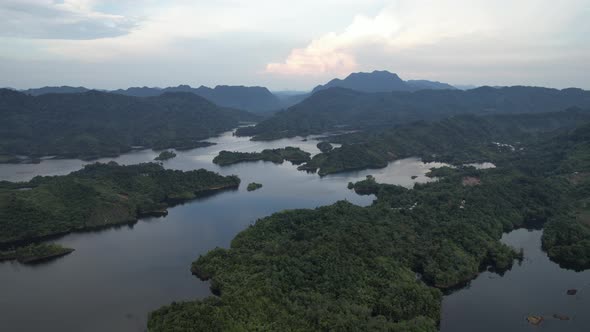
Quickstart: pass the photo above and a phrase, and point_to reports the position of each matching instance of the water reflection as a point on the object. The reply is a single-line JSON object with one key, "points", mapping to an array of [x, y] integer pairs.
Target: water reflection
{"points": [[116, 276], [535, 287]]}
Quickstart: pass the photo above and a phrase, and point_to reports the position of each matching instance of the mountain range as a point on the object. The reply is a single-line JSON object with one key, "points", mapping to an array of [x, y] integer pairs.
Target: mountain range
{"points": [[345, 109], [260, 99], [382, 81], [95, 124]]}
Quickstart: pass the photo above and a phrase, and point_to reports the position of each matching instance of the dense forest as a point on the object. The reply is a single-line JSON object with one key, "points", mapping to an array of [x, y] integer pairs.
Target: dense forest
{"points": [[342, 109], [96, 124], [384, 267], [96, 196], [165, 155], [277, 156], [457, 140]]}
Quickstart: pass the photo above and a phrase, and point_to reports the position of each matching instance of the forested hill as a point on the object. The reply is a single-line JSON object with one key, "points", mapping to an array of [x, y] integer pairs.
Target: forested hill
{"points": [[343, 109], [99, 195], [381, 81], [250, 98], [95, 124], [379, 268], [457, 140]]}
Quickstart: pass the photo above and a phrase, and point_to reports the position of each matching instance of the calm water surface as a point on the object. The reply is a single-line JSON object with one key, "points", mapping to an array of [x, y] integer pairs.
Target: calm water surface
{"points": [[116, 276], [537, 286]]}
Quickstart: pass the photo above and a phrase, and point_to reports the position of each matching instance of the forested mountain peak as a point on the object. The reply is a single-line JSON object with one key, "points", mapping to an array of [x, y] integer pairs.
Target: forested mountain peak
{"points": [[381, 81]]}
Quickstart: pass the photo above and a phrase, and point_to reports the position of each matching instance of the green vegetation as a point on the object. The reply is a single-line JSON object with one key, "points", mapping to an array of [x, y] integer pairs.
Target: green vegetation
{"points": [[165, 155], [324, 146], [382, 267], [339, 109], [99, 195], [345, 267], [567, 241], [457, 140], [277, 156], [254, 186], [34, 253], [97, 124]]}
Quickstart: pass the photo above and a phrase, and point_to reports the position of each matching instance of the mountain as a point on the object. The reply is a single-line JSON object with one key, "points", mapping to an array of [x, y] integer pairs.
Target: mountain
{"points": [[345, 109], [251, 98], [428, 85], [381, 81], [94, 124], [55, 89], [139, 91], [254, 98]]}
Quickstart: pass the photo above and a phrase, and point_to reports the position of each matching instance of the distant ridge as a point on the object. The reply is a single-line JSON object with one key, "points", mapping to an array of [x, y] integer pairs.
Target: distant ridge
{"points": [[96, 124], [247, 98], [55, 89], [338, 109], [382, 81]]}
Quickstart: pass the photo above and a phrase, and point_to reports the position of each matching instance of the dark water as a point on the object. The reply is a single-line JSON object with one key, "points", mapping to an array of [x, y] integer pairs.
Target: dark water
{"points": [[536, 287], [116, 276]]}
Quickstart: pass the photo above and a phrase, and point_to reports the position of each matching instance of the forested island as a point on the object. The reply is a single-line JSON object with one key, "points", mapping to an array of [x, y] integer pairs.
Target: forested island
{"points": [[97, 196], [97, 124], [35, 253], [254, 186], [277, 156], [384, 267], [165, 155], [457, 140], [324, 146]]}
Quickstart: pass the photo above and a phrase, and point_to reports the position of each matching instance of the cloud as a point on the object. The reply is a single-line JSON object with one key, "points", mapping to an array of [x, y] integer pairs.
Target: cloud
{"points": [[405, 27], [67, 19]]}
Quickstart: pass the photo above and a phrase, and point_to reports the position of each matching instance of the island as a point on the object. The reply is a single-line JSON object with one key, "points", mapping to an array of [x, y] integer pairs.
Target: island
{"points": [[458, 140], [254, 186], [294, 155], [385, 267], [165, 155], [324, 146], [35, 253], [97, 196]]}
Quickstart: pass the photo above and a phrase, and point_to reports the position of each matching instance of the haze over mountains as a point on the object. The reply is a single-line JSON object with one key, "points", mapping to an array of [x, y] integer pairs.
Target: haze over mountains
{"points": [[260, 99], [345, 109], [254, 99]]}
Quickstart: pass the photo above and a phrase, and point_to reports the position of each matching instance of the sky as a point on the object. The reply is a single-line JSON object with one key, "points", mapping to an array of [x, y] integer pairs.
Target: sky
{"points": [[292, 45]]}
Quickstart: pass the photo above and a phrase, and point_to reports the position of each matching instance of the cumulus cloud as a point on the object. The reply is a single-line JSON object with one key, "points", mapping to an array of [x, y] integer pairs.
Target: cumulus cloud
{"points": [[293, 44], [67, 19], [406, 27]]}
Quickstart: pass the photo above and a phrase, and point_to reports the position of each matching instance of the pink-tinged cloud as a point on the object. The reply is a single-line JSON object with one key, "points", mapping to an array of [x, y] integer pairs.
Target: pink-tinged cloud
{"points": [[307, 61], [408, 26]]}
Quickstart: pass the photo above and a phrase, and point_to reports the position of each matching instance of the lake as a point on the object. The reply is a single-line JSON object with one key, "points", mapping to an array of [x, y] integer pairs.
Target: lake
{"points": [[116, 276], [536, 286]]}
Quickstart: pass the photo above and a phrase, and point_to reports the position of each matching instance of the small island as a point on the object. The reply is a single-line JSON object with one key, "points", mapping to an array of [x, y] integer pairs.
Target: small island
{"points": [[165, 155], [324, 146], [254, 186], [35, 253], [295, 155]]}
